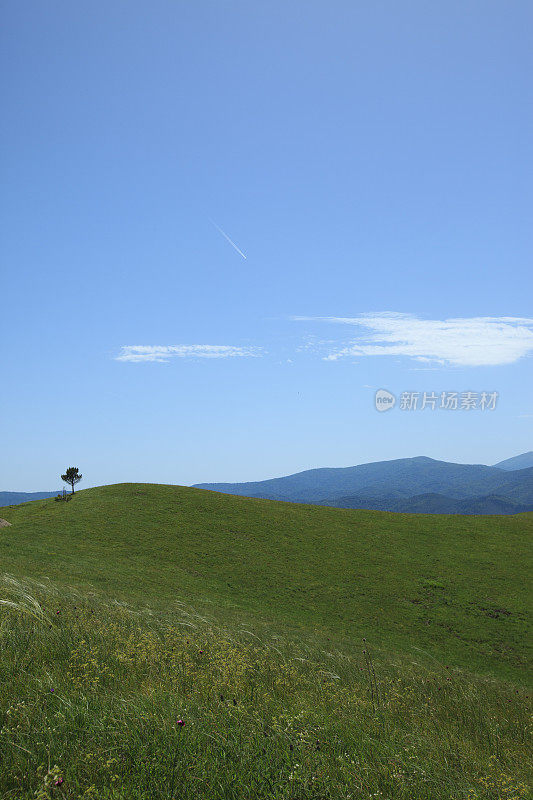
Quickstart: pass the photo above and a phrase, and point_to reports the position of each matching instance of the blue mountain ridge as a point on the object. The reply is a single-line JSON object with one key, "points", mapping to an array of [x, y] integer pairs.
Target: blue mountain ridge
{"points": [[16, 498], [414, 485]]}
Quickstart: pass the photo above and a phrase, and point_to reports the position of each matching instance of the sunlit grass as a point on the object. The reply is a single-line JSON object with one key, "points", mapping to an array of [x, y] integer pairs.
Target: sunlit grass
{"points": [[454, 587], [102, 700]]}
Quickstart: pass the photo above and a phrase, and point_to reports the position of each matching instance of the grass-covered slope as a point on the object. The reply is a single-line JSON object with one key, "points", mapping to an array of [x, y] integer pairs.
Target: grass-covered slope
{"points": [[452, 587], [114, 687], [102, 702]]}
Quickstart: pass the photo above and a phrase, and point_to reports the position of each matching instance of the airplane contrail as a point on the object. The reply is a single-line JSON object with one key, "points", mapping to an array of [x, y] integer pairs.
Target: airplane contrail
{"points": [[225, 235]]}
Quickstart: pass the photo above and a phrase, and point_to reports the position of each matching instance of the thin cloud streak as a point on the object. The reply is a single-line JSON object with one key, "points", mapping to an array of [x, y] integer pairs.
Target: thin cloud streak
{"points": [[139, 353], [463, 342], [225, 235]]}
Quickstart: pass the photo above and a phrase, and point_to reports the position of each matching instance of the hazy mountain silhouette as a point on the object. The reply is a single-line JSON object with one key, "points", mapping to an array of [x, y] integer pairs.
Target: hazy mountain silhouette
{"points": [[14, 498], [517, 462], [406, 484]]}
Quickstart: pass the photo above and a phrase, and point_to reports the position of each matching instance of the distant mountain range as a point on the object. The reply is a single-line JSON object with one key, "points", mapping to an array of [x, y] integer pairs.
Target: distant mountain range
{"points": [[15, 498], [418, 485], [410, 485], [517, 462]]}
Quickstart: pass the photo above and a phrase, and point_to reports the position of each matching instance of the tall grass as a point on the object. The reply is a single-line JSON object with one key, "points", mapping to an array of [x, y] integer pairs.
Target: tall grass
{"points": [[100, 700], [455, 586]]}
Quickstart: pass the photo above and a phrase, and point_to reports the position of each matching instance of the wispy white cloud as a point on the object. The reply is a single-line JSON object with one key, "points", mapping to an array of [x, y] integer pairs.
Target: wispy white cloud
{"points": [[137, 353], [465, 342]]}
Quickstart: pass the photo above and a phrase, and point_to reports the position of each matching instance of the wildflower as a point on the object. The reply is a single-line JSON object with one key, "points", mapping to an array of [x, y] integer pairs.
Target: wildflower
{"points": [[181, 723], [200, 651], [58, 782], [52, 690], [58, 612]]}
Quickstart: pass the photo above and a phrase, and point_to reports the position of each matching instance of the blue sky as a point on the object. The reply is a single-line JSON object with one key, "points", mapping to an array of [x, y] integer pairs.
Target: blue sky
{"points": [[371, 161]]}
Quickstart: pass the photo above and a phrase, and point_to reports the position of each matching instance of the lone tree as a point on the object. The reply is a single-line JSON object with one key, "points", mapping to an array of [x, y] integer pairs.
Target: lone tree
{"points": [[72, 476]]}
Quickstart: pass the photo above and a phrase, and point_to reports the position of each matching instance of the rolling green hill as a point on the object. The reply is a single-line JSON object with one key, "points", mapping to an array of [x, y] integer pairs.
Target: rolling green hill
{"points": [[454, 586], [160, 642]]}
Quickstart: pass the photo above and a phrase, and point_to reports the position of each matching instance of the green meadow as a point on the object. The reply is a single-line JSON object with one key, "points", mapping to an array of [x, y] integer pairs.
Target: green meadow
{"points": [[165, 642]]}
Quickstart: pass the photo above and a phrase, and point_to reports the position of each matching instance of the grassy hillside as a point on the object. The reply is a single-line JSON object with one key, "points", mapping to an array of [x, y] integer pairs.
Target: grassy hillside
{"points": [[455, 587], [159, 642]]}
